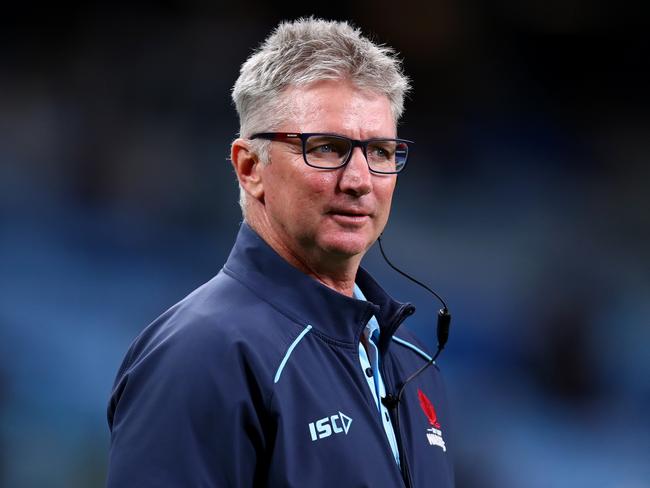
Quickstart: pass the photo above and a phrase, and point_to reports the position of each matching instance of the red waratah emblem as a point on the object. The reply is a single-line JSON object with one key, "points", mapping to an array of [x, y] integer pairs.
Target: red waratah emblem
{"points": [[428, 409]]}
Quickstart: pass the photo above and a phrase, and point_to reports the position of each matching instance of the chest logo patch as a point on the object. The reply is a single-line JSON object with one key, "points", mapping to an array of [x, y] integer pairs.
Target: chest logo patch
{"points": [[434, 433], [325, 427]]}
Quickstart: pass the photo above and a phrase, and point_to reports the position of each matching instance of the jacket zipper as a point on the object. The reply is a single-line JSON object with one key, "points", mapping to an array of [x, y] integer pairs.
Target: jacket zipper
{"points": [[378, 418], [404, 465]]}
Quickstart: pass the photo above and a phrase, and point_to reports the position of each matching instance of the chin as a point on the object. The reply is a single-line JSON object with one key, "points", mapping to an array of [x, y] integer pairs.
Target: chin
{"points": [[346, 244]]}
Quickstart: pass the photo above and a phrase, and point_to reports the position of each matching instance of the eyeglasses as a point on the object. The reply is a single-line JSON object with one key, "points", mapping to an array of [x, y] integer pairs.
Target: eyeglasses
{"points": [[331, 151]]}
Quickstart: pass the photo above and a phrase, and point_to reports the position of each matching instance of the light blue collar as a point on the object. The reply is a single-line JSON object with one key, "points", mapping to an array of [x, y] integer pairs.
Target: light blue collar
{"points": [[372, 327]]}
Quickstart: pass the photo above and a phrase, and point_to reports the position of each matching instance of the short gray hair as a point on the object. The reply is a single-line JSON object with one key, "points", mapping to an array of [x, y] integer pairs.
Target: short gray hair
{"points": [[305, 51]]}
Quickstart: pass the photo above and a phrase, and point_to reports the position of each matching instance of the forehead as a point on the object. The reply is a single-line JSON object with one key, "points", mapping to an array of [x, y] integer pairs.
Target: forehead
{"points": [[338, 106]]}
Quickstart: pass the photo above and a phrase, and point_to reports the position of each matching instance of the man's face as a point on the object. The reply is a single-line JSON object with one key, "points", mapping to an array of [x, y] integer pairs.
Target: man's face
{"points": [[324, 216]]}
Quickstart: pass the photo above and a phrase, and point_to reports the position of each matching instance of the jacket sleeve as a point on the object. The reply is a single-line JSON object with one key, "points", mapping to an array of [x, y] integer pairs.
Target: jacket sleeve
{"points": [[186, 411]]}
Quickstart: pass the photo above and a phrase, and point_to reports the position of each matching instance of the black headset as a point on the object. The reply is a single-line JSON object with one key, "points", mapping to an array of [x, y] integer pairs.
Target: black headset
{"points": [[442, 331]]}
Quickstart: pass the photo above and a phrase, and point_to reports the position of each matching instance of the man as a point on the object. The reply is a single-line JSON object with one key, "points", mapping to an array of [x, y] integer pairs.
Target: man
{"points": [[273, 372]]}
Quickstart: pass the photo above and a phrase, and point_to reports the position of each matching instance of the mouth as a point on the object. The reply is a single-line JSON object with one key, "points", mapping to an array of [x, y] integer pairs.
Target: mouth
{"points": [[349, 216]]}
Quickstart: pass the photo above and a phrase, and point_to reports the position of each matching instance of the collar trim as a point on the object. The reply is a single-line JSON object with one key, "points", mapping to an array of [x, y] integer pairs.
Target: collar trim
{"points": [[333, 316]]}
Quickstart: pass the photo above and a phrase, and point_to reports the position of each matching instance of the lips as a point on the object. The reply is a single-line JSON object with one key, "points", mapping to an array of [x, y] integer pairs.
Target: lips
{"points": [[350, 217], [352, 212]]}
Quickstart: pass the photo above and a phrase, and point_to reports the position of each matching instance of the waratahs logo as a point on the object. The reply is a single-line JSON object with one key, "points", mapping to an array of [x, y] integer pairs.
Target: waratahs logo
{"points": [[434, 434]]}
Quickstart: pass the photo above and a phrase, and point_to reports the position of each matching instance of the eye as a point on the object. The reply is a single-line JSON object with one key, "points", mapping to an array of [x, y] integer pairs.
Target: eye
{"points": [[323, 148], [382, 151], [327, 146]]}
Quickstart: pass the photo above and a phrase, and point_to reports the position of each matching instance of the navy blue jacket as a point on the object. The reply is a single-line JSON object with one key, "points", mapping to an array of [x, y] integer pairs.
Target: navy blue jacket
{"points": [[254, 380]]}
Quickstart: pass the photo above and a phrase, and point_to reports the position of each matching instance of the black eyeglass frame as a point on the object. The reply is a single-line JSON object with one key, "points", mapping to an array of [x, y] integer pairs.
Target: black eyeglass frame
{"points": [[363, 144]]}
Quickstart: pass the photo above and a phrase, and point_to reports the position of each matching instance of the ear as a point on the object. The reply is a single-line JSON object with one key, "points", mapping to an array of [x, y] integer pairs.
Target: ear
{"points": [[248, 168]]}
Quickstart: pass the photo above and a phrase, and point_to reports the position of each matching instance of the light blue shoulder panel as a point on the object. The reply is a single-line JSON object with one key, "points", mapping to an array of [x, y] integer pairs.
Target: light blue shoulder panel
{"points": [[413, 347], [288, 353]]}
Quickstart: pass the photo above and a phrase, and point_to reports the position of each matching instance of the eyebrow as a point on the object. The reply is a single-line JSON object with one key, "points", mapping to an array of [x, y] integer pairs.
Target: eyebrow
{"points": [[348, 137]]}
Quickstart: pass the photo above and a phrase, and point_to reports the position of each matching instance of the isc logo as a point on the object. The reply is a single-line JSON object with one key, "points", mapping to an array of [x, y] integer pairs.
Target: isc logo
{"points": [[324, 427]]}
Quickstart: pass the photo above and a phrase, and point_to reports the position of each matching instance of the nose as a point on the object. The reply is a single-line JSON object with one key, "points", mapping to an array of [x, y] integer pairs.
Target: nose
{"points": [[356, 178]]}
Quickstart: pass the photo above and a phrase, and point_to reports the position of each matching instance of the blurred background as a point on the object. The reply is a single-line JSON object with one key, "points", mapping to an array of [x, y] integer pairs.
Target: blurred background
{"points": [[525, 204]]}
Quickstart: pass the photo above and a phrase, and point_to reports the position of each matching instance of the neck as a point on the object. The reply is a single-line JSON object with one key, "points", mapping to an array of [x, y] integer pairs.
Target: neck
{"points": [[334, 271]]}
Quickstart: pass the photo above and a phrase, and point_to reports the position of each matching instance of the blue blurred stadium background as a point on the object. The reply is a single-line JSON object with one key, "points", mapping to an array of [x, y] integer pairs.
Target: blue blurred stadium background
{"points": [[526, 205]]}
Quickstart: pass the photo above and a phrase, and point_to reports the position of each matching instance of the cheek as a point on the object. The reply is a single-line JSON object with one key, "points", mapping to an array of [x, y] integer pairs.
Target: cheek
{"points": [[384, 191], [298, 194], [278, 193], [313, 189], [320, 184]]}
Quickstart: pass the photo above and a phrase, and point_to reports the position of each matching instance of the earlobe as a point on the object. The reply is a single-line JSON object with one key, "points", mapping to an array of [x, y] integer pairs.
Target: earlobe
{"points": [[248, 168]]}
